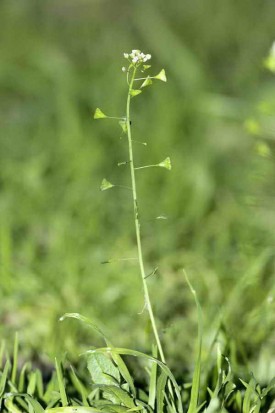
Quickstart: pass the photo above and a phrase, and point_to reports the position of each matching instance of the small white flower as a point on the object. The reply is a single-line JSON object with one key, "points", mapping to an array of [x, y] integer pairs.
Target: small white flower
{"points": [[137, 56], [124, 69]]}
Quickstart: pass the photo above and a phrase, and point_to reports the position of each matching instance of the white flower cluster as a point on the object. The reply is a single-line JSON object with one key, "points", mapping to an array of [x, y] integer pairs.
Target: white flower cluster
{"points": [[136, 56]]}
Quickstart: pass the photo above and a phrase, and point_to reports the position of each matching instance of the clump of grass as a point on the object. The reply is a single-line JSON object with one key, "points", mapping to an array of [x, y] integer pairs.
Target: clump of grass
{"points": [[113, 390]]}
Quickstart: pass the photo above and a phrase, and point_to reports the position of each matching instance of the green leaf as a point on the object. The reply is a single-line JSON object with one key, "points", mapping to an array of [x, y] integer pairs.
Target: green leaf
{"points": [[124, 371], [34, 403], [145, 67], [161, 383], [86, 321], [135, 92], [193, 406], [113, 408], [116, 357], [99, 114], [73, 409], [31, 383], [61, 385], [153, 378], [15, 359], [12, 408], [126, 351], [161, 76], [166, 164], [4, 377], [79, 386], [147, 82], [22, 377], [118, 396], [102, 369], [105, 185], [123, 124]]}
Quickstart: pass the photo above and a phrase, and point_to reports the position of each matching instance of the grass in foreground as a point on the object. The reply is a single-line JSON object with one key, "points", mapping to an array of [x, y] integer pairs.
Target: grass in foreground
{"points": [[107, 385]]}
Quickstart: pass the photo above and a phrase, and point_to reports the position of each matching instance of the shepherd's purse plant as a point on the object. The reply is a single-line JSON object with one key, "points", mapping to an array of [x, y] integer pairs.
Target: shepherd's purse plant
{"points": [[137, 82]]}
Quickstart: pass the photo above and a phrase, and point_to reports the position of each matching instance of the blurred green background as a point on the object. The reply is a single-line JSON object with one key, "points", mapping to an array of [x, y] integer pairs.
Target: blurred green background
{"points": [[60, 59]]}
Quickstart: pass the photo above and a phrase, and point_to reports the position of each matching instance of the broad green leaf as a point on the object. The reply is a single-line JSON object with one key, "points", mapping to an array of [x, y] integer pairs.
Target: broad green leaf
{"points": [[136, 408], [99, 114], [161, 76], [113, 408], [118, 396], [129, 352], [135, 92], [166, 164], [105, 185], [102, 369], [147, 82]]}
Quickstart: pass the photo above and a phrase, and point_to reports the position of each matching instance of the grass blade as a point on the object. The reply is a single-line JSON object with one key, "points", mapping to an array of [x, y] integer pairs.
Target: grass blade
{"points": [[79, 386], [60, 380], [116, 357], [15, 359], [73, 409], [161, 383], [193, 406], [4, 377], [153, 379]]}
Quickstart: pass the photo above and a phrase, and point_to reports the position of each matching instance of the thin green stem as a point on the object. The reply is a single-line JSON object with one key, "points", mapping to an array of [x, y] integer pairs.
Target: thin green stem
{"points": [[137, 223], [146, 166]]}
